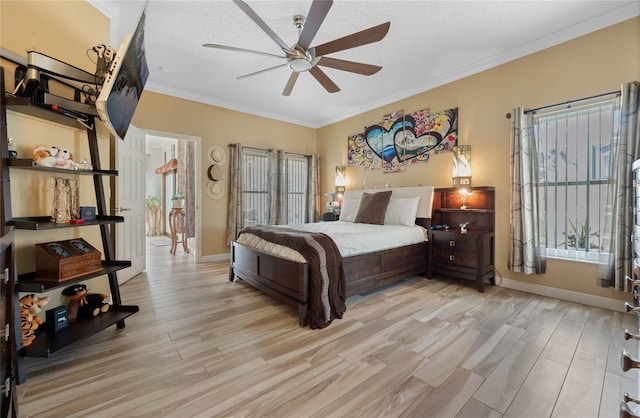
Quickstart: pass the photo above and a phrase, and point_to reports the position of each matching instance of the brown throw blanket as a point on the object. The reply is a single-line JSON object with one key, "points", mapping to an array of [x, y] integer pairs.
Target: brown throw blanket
{"points": [[326, 275]]}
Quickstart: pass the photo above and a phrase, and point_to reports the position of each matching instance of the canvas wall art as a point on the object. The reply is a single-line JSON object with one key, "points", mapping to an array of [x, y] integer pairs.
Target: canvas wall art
{"points": [[401, 139]]}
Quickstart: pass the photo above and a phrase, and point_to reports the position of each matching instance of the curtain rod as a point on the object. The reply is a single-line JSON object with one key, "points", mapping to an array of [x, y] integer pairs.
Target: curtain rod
{"points": [[269, 149], [617, 93]]}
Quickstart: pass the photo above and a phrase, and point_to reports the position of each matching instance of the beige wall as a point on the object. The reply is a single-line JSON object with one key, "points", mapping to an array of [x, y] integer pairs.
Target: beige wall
{"points": [[218, 126], [590, 65], [64, 30]]}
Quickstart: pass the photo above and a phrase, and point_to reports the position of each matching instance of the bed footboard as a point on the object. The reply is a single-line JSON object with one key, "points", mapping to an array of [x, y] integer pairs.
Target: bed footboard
{"points": [[286, 280], [368, 272], [282, 279]]}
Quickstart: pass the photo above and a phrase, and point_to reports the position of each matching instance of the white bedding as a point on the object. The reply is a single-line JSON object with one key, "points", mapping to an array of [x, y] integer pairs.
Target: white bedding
{"points": [[351, 238]]}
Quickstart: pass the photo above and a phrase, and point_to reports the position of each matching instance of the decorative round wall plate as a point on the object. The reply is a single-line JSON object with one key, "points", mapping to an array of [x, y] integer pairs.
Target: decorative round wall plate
{"points": [[215, 190], [216, 154]]}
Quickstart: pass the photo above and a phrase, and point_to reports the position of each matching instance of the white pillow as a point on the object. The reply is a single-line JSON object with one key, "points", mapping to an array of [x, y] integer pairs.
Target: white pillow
{"points": [[349, 210], [401, 211]]}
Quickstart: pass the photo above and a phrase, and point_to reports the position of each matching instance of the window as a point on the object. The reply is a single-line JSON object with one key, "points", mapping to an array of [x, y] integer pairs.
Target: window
{"points": [[260, 169], [256, 196], [574, 146], [295, 188]]}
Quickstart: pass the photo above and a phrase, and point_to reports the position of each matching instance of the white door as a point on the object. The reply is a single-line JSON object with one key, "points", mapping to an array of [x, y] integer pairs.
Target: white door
{"points": [[130, 203]]}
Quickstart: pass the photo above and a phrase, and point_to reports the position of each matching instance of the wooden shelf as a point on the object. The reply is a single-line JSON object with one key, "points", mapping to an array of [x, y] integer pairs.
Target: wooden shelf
{"points": [[23, 105], [28, 163], [28, 282], [48, 343], [470, 210], [38, 223]]}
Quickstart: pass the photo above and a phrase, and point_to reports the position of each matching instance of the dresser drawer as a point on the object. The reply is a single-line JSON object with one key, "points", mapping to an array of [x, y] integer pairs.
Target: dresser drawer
{"points": [[457, 249]]}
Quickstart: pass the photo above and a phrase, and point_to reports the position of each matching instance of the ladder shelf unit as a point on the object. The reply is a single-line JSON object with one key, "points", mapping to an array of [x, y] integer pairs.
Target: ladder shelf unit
{"points": [[48, 342]]}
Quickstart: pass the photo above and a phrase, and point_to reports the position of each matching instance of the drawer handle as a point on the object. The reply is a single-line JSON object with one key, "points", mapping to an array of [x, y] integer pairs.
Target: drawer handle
{"points": [[626, 412], [452, 243], [627, 362], [629, 308], [628, 335], [452, 257], [628, 398]]}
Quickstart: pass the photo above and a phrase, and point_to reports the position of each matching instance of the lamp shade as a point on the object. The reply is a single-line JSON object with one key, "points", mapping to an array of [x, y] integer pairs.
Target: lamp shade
{"points": [[340, 179], [462, 165]]}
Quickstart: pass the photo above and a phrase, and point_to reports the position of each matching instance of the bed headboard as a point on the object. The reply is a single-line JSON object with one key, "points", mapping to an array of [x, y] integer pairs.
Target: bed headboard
{"points": [[424, 192]]}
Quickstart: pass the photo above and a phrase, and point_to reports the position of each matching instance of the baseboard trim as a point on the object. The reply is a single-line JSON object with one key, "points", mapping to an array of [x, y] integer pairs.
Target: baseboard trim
{"points": [[215, 258], [568, 295]]}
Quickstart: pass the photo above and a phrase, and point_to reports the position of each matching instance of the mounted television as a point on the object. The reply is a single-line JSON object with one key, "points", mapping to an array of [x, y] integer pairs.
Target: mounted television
{"points": [[124, 82]]}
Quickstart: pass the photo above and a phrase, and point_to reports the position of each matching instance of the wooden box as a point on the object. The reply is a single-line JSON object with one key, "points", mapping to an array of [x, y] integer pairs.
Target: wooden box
{"points": [[65, 260]]}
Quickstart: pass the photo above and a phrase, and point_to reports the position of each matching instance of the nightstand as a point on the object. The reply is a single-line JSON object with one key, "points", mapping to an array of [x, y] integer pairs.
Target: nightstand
{"points": [[465, 256], [330, 216], [470, 255]]}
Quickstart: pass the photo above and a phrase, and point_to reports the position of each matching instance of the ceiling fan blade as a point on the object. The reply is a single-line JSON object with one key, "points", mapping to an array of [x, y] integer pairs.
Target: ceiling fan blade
{"points": [[323, 79], [351, 66], [364, 37], [233, 48], [261, 71], [317, 13], [290, 84], [258, 20]]}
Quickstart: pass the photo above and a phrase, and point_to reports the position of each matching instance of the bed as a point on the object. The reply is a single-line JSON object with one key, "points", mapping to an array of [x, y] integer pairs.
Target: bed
{"points": [[285, 275]]}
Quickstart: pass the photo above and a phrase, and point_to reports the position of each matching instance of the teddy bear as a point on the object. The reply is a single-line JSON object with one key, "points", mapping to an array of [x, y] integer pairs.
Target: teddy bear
{"points": [[30, 305], [83, 304], [46, 156]]}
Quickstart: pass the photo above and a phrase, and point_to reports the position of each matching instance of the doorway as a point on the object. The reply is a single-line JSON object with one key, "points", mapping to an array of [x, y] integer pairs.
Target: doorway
{"points": [[170, 169]]}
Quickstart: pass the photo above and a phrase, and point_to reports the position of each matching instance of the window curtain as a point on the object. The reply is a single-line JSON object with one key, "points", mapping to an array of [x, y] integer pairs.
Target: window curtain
{"points": [[625, 149], [276, 190], [527, 244], [313, 203], [236, 179], [187, 183]]}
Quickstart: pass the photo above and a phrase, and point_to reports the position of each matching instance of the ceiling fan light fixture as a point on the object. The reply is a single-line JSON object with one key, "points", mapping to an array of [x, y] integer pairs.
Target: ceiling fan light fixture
{"points": [[300, 65]]}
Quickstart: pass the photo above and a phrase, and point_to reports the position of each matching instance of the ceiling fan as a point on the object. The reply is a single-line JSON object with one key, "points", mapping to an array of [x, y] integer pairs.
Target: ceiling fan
{"points": [[301, 57]]}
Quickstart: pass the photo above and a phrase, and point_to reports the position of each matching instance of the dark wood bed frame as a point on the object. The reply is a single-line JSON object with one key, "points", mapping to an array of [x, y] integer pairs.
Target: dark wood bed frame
{"points": [[286, 280]]}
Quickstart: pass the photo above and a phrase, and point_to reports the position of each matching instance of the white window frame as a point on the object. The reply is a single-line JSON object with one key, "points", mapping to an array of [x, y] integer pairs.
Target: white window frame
{"points": [[574, 179]]}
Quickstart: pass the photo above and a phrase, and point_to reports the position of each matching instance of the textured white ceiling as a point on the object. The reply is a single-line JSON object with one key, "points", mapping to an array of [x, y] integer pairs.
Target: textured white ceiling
{"points": [[430, 43]]}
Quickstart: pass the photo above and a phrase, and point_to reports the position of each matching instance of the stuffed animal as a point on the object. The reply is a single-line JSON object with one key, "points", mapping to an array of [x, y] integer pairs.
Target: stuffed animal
{"points": [[64, 159], [83, 304], [46, 156], [30, 305]]}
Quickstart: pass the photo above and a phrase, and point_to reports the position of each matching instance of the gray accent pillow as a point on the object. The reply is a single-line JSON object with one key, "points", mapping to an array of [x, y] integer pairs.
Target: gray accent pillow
{"points": [[372, 208]]}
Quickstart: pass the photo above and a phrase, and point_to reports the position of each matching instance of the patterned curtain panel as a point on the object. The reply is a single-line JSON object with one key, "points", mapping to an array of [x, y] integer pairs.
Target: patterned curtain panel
{"points": [[527, 244], [276, 173], [619, 225], [187, 183], [313, 203], [236, 180]]}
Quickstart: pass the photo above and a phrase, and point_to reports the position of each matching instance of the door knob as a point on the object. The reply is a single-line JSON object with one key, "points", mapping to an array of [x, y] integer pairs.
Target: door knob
{"points": [[121, 209]]}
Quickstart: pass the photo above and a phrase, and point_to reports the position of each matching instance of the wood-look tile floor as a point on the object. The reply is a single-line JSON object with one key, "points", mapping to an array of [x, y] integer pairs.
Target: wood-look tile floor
{"points": [[204, 347]]}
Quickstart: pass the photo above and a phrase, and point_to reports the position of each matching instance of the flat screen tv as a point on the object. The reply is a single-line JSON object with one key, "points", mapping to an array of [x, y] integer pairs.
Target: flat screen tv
{"points": [[124, 82]]}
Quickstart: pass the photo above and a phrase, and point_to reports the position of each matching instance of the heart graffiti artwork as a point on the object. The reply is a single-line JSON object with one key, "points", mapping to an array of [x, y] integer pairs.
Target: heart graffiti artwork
{"points": [[404, 139]]}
